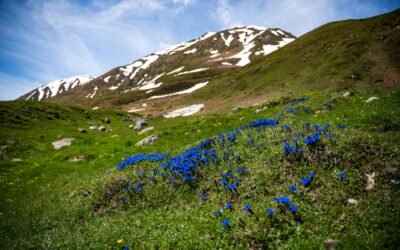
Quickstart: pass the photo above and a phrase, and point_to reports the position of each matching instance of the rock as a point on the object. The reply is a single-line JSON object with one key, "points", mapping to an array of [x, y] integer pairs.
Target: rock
{"points": [[261, 109], [62, 143], [370, 181], [146, 130], [77, 158], [92, 127], [372, 98], [140, 123], [16, 160], [330, 244], [148, 140], [129, 118], [131, 126], [82, 130], [237, 108], [347, 94], [352, 201], [101, 128], [107, 120], [4, 151]]}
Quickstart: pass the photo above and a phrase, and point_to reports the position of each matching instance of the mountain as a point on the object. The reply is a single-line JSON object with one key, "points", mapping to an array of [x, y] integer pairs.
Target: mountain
{"points": [[57, 87], [223, 70], [178, 69]]}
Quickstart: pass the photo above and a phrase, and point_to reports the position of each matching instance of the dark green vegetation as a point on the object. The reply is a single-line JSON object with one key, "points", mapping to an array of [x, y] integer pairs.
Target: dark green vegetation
{"points": [[49, 202]]}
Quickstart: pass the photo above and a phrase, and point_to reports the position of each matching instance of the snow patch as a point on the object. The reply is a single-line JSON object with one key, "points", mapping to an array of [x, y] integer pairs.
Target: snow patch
{"points": [[186, 91], [227, 40], [93, 94], [268, 48], [191, 71], [151, 84], [176, 70], [226, 63], [190, 110], [107, 78], [190, 51], [246, 38], [134, 110]]}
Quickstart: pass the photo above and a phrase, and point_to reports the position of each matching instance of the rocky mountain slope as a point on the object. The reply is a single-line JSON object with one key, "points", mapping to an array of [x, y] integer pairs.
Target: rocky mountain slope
{"points": [[176, 70], [57, 87]]}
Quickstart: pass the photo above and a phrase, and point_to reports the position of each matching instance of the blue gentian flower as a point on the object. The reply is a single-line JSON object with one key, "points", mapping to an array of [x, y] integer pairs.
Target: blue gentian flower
{"points": [[330, 136], [341, 126], [293, 188], [342, 175], [270, 212], [247, 207], [293, 208], [306, 181], [226, 223], [218, 212], [229, 205], [202, 197], [283, 199]]}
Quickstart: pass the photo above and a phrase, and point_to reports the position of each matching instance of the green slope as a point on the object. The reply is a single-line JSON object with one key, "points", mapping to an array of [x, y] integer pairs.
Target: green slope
{"points": [[49, 202], [351, 54]]}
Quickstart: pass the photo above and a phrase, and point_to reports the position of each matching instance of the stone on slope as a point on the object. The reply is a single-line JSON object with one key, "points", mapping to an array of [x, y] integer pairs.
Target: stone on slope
{"points": [[82, 130], [92, 127], [107, 120], [62, 143], [148, 140], [372, 98], [146, 130], [347, 94], [140, 123], [101, 128]]}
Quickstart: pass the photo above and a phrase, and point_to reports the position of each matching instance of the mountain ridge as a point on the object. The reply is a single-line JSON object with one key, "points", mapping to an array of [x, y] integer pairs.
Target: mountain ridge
{"points": [[217, 52]]}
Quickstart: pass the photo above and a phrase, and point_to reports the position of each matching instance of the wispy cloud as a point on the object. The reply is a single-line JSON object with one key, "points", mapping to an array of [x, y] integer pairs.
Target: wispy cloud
{"points": [[297, 17]]}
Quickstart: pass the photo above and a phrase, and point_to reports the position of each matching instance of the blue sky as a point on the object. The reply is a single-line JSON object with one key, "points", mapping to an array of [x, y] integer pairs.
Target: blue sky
{"points": [[41, 41]]}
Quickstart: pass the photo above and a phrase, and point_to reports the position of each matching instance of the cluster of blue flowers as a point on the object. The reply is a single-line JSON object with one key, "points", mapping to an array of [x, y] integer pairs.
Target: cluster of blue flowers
{"points": [[135, 159], [293, 147]]}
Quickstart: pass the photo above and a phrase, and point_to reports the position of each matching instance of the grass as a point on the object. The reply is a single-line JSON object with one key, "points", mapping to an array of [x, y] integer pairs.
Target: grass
{"points": [[49, 202]]}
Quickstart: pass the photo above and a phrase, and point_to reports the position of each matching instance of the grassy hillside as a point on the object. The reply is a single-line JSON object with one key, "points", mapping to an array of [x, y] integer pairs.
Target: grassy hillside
{"points": [[47, 201]]}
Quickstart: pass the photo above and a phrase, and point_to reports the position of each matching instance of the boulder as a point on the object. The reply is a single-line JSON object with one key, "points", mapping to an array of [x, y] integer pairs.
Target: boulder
{"points": [[372, 98], [146, 130], [101, 128], [77, 158], [92, 127], [82, 130], [261, 109], [347, 94], [140, 123], [238, 108], [107, 120], [131, 126], [62, 143], [148, 140]]}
